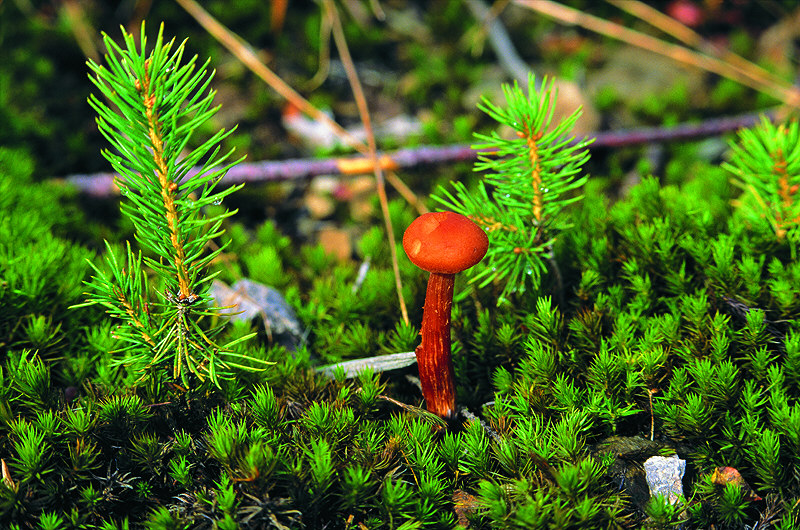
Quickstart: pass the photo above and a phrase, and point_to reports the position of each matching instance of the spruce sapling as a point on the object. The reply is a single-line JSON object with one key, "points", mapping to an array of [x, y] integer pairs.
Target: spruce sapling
{"points": [[532, 177], [153, 105], [765, 163]]}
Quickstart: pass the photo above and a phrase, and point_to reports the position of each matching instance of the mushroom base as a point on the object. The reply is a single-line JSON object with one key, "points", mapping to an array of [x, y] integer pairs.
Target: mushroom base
{"points": [[433, 354]]}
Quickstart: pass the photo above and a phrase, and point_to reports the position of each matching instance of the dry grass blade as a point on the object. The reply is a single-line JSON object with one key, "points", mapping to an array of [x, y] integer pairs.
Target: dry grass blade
{"points": [[243, 52], [691, 38], [659, 20], [75, 14], [406, 192], [783, 92], [361, 102]]}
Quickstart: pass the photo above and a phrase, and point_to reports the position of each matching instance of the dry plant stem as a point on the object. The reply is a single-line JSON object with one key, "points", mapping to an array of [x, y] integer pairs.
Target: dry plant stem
{"points": [[242, 52], [168, 188], [245, 54], [652, 415], [433, 354], [6, 476], [81, 29], [659, 20], [406, 193], [782, 91], [691, 38], [363, 111]]}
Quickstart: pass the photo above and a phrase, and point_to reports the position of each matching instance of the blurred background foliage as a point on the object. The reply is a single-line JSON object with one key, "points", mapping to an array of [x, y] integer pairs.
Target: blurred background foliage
{"points": [[430, 63]]}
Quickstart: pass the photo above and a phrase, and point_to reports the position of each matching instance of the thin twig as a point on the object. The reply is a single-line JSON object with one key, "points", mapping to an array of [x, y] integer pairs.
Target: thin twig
{"points": [[102, 184], [500, 41], [363, 111]]}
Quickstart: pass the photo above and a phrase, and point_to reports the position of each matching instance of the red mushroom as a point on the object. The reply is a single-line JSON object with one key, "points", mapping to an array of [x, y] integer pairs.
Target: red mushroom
{"points": [[442, 243]]}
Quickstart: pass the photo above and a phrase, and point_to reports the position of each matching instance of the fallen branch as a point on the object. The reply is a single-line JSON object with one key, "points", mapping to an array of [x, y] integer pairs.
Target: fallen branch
{"points": [[102, 184]]}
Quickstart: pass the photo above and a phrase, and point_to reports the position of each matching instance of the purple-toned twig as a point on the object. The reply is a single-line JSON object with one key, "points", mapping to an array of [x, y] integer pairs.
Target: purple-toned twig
{"points": [[102, 184]]}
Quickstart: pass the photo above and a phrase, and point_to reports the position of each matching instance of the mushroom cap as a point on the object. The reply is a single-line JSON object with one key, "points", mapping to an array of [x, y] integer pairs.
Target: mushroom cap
{"points": [[444, 242]]}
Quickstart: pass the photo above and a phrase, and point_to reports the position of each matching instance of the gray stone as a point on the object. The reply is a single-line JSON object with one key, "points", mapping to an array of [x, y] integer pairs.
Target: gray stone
{"points": [[663, 475], [248, 299]]}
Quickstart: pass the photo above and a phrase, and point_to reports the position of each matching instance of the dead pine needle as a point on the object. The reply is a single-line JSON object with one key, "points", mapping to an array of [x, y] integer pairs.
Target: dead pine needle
{"points": [[245, 54], [361, 102]]}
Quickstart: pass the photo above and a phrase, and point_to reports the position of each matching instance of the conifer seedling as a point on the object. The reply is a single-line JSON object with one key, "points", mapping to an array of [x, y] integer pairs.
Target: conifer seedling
{"points": [[533, 177], [765, 163], [154, 104]]}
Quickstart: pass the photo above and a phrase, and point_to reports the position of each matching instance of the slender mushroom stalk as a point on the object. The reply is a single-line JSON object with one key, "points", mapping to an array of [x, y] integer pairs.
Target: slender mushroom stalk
{"points": [[442, 243]]}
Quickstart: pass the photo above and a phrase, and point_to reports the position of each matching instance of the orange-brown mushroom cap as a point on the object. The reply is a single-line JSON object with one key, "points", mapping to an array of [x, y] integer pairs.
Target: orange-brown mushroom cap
{"points": [[444, 242]]}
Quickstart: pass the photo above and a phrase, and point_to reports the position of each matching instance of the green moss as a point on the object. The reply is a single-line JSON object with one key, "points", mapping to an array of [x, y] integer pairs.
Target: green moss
{"points": [[655, 311], [41, 271]]}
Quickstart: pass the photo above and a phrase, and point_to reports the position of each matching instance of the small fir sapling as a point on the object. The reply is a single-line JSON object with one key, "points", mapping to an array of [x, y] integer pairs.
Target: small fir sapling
{"points": [[531, 179], [765, 162], [154, 105]]}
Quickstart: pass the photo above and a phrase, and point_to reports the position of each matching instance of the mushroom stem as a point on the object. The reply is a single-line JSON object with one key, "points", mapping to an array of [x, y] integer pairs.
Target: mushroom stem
{"points": [[433, 353]]}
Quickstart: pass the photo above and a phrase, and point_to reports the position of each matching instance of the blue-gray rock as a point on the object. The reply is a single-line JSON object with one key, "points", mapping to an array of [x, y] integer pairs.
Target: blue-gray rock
{"points": [[663, 475], [249, 299]]}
